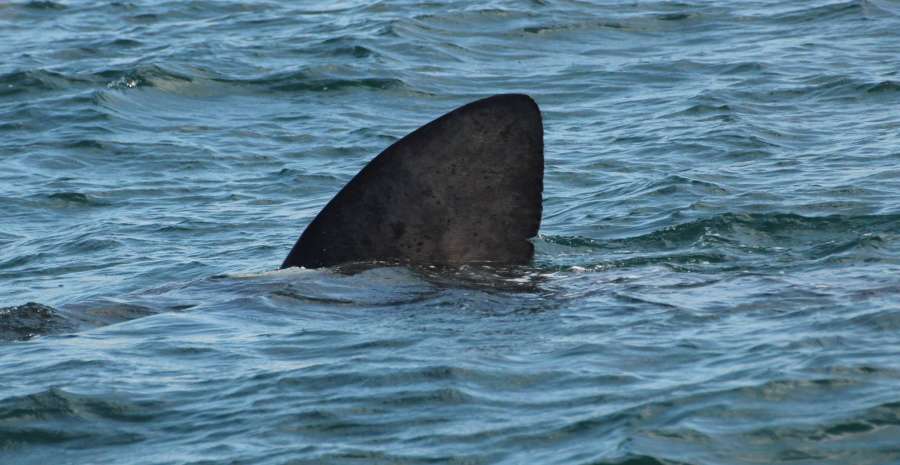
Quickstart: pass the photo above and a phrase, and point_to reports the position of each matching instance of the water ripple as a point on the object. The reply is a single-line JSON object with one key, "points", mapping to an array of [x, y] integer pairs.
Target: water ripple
{"points": [[715, 278]]}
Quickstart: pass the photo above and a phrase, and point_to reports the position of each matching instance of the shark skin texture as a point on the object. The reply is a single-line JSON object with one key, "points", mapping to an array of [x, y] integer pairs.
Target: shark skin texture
{"points": [[464, 188]]}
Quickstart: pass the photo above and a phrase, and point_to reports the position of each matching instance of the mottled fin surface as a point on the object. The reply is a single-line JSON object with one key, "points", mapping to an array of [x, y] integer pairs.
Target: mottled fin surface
{"points": [[464, 188]]}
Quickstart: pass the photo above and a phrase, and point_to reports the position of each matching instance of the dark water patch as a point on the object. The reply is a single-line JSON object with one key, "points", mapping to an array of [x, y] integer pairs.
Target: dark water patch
{"points": [[7, 238], [44, 5], [50, 267], [89, 144], [190, 227], [573, 241], [56, 416], [822, 14], [356, 51], [342, 46], [674, 16], [20, 260], [35, 81], [124, 43], [879, 320], [57, 403], [98, 314], [866, 243], [852, 88], [209, 83], [634, 459], [621, 21], [91, 244], [306, 176], [302, 82], [145, 18], [704, 109], [66, 199], [75, 197], [582, 26], [884, 87], [673, 185], [745, 68]]}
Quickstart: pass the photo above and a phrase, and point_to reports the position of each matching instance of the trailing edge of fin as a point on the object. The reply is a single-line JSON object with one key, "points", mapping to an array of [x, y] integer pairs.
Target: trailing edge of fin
{"points": [[464, 188]]}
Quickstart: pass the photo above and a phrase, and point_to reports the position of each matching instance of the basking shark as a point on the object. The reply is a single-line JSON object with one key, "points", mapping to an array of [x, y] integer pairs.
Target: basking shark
{"points": [[464, 188]]}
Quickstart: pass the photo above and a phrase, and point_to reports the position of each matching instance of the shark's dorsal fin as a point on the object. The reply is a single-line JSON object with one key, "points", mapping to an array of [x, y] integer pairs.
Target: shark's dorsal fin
{"points": [[464, 188]]}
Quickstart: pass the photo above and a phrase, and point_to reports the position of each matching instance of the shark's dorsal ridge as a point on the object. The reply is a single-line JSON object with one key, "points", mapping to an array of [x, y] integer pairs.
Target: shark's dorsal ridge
{"points": [[464, 188]]}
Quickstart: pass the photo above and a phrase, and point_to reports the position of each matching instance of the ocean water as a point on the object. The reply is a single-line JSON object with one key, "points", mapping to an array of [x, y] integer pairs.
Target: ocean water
{"points": [[717, 276]]}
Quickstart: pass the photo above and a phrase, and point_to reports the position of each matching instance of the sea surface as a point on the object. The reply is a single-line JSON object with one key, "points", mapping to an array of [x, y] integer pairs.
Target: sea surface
{"points": [[717, 275]]}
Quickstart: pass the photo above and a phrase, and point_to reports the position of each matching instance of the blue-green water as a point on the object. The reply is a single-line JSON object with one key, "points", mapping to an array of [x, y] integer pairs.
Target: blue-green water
{"points": [[717, 279]]}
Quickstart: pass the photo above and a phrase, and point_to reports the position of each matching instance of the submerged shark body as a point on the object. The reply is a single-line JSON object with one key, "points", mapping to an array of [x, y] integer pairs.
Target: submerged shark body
{"points": [[464, 188]]}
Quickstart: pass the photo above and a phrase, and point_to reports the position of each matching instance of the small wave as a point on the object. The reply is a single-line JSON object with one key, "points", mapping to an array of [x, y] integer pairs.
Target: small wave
{"points": [[186, 226], [749, 67], [145, 18], [356, 51], [44, 5], [483, 277], [74, 199], [723, 238], [343, 46], [299, 81], [56, 416], [286, 272], [124, 82], [146, 76], [342, 294], [35, 80], [674, 16], [821, 13], [101, 313], [650, 22], [884, 87], [676, 183], [771, 228], [847, 87], [90, 244], [827, 88], [196, 82], [724, 111], [572, 241], [20, 260], [632, 459], [124, 43], [879, 321]]}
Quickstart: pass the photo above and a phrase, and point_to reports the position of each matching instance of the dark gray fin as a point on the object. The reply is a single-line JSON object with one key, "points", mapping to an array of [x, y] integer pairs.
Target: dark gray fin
{"points": [[464, 188]]}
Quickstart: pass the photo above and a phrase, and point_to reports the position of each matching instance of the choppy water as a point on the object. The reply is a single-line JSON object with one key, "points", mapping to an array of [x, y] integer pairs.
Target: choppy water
{"points": [[716, 280]]}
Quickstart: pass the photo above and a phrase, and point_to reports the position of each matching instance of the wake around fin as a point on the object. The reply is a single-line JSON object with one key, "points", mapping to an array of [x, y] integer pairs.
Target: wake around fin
{"points": [[464, 188]]}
